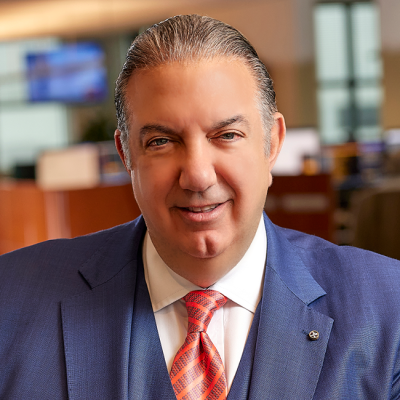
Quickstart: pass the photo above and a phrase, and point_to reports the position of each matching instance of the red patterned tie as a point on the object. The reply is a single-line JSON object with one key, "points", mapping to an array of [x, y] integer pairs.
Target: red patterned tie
{"points": [[197, 371]]}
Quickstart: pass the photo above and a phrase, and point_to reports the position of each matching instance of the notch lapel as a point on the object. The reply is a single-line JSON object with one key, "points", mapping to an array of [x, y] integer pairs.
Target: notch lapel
{"points": [[97, 323], [111, 342], [96, 328], [287, 363]]}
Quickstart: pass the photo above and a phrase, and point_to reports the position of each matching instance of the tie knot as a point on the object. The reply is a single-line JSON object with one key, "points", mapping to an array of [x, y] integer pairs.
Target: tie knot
{"points": [[201, 305]]}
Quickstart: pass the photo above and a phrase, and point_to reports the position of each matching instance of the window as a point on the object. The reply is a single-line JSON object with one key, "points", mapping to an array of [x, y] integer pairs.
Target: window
{"points": [[349, 71]]}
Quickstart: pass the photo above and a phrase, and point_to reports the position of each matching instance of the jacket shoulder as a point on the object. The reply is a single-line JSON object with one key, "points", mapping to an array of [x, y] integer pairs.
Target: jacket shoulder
{"points": [[56, 263], [347, 269], [78, 247], [313, 244]]}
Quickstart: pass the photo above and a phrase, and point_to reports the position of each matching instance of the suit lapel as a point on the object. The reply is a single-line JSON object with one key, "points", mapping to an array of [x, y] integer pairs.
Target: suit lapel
{"points": [[287, 363], [96, 328], [97, 323], [112, 348]]}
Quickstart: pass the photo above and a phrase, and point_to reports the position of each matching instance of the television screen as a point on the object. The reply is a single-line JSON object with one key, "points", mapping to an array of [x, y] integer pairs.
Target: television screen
{"points": [[72, 73]]}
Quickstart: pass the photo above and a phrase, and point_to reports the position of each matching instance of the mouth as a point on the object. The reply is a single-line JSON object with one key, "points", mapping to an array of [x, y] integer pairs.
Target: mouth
{"points": [[204, 209], [203, 214]]}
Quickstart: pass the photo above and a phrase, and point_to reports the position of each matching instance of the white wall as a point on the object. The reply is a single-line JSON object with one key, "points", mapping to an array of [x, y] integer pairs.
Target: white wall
{"points": [[26, 130]]}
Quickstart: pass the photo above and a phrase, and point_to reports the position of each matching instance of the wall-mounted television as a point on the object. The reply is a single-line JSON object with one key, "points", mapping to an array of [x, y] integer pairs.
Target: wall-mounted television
{"points": [[73, 73]]}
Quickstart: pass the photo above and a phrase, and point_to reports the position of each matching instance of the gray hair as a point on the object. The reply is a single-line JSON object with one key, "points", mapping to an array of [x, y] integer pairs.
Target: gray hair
{"points": [[188, 38]]}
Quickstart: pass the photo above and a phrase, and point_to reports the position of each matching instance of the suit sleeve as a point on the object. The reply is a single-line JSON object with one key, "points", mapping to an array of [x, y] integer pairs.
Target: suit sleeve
{"points": [[395, 395]]}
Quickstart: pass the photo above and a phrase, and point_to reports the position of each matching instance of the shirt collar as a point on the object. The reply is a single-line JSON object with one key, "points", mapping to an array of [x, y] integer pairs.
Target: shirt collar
{"points": [[242, 284]]}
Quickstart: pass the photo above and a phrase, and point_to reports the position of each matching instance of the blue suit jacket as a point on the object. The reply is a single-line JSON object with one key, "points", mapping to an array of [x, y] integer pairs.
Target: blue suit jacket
{"points": [[76, 322]]}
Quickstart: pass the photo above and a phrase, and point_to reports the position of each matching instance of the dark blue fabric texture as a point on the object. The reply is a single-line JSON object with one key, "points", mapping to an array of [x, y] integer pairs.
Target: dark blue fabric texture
{"points": [[240, 388], [76, 322]]}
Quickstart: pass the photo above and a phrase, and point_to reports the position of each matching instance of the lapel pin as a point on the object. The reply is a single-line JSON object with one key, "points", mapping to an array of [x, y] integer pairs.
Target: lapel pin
{"points": [[313, 335]]}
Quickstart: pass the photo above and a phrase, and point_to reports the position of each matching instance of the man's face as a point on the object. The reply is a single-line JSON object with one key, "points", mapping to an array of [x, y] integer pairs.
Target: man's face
{"points": [[198, 168]]}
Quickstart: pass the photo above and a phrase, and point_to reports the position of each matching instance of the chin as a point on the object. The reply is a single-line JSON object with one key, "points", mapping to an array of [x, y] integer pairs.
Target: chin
{"points": [[205, 247]]}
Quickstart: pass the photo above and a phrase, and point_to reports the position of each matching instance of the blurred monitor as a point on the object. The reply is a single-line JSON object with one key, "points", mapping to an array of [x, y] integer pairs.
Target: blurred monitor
{"points": [[73, 73], [299, 145], [392, 139], [371, 161]]}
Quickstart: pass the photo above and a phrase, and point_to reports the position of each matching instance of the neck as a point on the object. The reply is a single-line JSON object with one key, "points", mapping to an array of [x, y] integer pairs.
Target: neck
{"points": [[204, 272]]}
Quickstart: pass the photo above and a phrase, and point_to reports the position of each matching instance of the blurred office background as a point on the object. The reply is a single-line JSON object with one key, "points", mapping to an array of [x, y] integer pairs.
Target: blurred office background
{"points": [[336, 68]]}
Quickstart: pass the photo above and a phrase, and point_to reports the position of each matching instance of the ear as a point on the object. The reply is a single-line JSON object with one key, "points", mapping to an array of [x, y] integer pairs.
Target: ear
{"points": [[278, 132], [118, 145]]}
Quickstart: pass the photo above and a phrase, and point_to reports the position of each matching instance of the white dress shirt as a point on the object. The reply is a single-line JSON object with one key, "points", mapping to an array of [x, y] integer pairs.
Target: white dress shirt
{"points": [[230, 325]]}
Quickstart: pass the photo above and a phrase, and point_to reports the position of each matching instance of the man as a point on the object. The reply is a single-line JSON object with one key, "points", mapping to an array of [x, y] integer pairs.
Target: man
{"points": [[291, 316]]}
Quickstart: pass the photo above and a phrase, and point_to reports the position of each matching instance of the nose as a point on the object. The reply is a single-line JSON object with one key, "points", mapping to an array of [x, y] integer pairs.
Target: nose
{"points": [[197, 168]]}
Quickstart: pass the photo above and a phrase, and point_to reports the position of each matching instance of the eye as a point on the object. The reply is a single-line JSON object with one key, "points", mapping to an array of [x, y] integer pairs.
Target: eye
{"points": [[228, 136], [158, 142]]}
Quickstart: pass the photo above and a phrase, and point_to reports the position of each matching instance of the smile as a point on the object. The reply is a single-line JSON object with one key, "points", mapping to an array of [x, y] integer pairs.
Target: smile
{"points": [[207, 214], [202, 209]]}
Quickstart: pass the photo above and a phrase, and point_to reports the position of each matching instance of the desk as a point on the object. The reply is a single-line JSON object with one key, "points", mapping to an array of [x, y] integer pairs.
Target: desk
{"points": [[29, 215], [304, 203]]}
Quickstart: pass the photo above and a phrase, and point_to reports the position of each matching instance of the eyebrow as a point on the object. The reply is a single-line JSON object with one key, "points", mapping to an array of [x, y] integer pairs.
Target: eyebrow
{"points": [[237, 119], [150, 128]]}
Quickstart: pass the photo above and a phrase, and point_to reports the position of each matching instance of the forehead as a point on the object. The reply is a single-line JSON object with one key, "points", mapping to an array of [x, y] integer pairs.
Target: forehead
{"points": [[205, 87]]}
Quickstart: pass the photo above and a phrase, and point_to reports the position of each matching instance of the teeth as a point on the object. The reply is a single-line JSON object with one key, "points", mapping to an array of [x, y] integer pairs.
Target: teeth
{"points": [[203, 209]]}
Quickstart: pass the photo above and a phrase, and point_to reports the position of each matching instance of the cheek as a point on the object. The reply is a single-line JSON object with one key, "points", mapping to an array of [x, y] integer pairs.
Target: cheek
{"points": [[152, 180], [247, 174]]}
